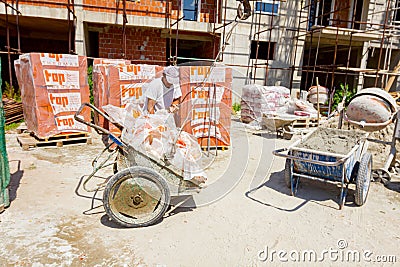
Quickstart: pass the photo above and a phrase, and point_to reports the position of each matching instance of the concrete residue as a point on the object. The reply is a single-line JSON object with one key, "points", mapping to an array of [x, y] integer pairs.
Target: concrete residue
{"points": [[380, 151], [331, 140]]}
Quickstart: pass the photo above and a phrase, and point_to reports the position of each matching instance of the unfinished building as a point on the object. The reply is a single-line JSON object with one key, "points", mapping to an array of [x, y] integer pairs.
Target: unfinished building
{"points": [[288, 43], [291, 43]]}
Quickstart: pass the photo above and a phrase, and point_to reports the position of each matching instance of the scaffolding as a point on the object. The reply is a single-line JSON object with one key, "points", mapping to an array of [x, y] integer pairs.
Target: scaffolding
{"points": [[319, 19], [315, 19], [14, 7], [173, 26]]}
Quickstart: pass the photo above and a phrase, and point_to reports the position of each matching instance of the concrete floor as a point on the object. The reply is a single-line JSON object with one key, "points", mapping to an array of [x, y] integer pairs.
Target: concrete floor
{"points": [[243, 216]]}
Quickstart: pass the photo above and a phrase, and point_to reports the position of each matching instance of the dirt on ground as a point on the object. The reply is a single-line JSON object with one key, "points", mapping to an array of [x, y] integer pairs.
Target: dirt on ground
{"points": [[52, 221]]}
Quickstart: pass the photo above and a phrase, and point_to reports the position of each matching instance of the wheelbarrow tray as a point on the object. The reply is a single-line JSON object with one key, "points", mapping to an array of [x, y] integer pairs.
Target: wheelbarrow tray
{"points": [[327, 165], [276, 122]]}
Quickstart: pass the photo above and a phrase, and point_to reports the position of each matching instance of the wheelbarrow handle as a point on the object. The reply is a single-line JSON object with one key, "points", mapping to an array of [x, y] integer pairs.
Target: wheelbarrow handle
{"points": [[90, 124], [279, 153]]}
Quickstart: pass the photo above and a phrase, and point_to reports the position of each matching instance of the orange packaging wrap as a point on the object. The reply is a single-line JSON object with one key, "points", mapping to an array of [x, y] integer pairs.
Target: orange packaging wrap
{"points": [[100, 92], [207, 102], [120, 84], [107, 61], [53, 87], [100, 85]]}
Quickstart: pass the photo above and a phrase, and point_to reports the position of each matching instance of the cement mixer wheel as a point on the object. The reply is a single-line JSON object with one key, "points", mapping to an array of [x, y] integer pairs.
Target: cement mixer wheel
{"points": [[363, 179], [381, 175]]}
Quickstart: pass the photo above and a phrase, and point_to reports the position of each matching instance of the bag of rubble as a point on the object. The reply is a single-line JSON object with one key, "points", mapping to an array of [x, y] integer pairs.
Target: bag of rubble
{"points": [[157, 135], [260, 100]]}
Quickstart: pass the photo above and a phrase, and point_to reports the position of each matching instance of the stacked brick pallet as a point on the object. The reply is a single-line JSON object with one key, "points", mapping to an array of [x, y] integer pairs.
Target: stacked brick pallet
{"points": [[100, 85], [53, 86], [118, 83], [207, 101], [258, 100]]}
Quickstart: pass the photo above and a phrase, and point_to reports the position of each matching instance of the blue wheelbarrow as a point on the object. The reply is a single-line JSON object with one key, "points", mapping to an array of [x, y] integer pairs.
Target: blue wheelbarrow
{"points": [[330, 155]]}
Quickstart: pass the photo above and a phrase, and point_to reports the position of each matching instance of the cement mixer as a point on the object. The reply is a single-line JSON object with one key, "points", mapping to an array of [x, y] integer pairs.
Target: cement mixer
{"points": [[373, 109]]}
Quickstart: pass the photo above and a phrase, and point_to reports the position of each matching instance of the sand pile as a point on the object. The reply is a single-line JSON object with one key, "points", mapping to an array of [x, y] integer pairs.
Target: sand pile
{"points": [[379, 151], [332, 141]]}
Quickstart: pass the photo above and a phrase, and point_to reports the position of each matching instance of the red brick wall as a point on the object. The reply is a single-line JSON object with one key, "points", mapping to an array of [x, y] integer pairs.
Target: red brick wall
{"points": [[48, 3], [142, 44], [143, 8], [153, 8], [207, 11], [145, 45]]}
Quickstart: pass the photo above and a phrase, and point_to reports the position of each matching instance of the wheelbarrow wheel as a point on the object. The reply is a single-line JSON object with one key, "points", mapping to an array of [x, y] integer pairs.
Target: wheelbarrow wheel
{"points": [[363, 179], [288, 173], [136, 197]]}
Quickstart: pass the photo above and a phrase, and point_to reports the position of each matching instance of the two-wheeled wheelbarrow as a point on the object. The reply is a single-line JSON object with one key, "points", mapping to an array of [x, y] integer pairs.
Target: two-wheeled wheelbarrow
{"points": [[139, 192], [332, 160]]}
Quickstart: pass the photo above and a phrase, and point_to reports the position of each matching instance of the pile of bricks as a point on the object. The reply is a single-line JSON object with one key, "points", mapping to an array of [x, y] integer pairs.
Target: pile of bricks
{"points": [[258, 100], [53, 86], [117, 82], [207, 104], [145, 45]]}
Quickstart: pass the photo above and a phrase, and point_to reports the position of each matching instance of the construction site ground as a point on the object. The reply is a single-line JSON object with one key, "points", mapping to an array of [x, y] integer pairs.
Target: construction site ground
{"points": [[50, 221]]}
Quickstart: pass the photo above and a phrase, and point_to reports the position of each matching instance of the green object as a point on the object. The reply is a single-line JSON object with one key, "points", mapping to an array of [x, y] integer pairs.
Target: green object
{"points": [[4, 168], [90, 83], [341, 93], [236, 107]]}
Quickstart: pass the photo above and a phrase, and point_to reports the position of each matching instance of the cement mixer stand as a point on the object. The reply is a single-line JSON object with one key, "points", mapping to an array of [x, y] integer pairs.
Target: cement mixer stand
{"points": [[384, 175]]}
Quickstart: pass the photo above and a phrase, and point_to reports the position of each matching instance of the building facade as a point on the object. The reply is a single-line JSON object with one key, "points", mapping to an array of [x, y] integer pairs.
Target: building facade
{"points": [[288, 43]]}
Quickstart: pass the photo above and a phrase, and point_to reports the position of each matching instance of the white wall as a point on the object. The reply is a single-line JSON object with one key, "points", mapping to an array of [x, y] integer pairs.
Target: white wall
{"points": [[238, 50]]}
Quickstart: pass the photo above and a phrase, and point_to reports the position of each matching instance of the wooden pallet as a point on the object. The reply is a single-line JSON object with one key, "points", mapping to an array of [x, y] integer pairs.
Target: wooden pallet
{"points": [[203, 142], [306, 123], [28, 140], [22, 128], [223, 148], [12, 110]]}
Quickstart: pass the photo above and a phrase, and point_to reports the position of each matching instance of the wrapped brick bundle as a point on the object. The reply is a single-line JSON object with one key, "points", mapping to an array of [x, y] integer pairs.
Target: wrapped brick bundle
{"points": [[100, 91], [258, 100], [119, 83], [17, 67], [206, 110], [53, 86], [100, 85]]}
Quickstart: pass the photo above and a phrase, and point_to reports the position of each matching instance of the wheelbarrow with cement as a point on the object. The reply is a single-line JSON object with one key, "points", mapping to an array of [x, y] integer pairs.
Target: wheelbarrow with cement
{"points": [[281, 124], [330, 155], [139, 192]]}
